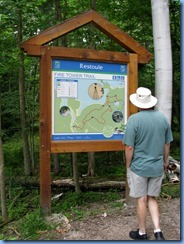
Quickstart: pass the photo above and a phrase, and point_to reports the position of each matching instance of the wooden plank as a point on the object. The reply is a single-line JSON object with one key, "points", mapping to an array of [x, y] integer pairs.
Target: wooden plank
{"points": [[86, 146], [95, 55], [89, 54], [144, 59], [119, 36], [61, 29], [31, 50], [45, 129], [81, 53]]}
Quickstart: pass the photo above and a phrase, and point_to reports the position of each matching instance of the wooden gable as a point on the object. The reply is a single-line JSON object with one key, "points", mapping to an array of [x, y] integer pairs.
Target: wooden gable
{"points": [[33, 45]]}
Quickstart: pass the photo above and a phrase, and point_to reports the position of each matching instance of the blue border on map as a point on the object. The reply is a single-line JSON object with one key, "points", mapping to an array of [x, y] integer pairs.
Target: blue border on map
{"points": [[79, 66]]}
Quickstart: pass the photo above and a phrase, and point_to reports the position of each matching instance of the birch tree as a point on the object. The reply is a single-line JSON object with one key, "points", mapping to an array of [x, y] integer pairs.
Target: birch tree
{"points": [[163, 56]]}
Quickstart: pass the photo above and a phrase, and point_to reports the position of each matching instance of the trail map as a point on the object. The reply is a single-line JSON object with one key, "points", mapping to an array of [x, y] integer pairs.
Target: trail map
{"points": [[89, 100]]}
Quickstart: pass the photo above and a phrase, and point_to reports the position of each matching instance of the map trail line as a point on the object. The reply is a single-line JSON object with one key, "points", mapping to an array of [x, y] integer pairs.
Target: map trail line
{"points": [[86, 120]]}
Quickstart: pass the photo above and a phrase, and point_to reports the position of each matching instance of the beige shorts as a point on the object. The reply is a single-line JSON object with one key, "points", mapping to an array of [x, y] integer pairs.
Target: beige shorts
{"points": [[143, 186]]}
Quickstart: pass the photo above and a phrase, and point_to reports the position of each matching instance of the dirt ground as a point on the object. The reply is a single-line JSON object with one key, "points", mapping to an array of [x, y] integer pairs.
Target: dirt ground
{"points": [[115, 223]]}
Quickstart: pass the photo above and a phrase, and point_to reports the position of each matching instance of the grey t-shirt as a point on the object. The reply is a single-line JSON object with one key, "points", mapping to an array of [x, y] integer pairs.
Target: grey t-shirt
{"points": [[148, 131]]}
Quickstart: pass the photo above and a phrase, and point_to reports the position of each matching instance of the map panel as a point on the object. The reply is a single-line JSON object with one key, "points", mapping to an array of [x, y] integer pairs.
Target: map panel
{"points": [[89, 100]]}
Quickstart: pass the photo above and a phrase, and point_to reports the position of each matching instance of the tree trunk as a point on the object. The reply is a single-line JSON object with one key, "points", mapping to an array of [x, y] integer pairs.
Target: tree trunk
{"points": [[91, 164], [2, 178], [91, 155], [86, 183], [26, 151], [90, 185], [32, 113], [56, 164], [60, 15], [163, 56], [75, 173], [93, 4], [62, 40]]}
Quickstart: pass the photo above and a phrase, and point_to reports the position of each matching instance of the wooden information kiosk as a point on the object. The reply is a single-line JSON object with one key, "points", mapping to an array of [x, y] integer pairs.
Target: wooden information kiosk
{"points": [[84, 93]]}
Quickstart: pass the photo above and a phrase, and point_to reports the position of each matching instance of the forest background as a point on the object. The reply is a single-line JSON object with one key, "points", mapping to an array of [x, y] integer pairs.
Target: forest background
{"points": [[19, 88]]}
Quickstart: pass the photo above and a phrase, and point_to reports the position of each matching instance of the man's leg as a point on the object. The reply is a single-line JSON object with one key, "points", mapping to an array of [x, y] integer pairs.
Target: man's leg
{"points": [[142, 213], [154, 211]]}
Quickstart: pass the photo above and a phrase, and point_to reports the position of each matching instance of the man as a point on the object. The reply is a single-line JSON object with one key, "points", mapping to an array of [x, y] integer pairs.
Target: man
{"points": [[147, 144]]}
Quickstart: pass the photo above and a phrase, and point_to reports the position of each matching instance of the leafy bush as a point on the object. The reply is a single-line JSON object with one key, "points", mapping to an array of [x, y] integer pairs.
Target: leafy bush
{"points": [[13, 156], [31, 224], [170, 189], [22, 201]]}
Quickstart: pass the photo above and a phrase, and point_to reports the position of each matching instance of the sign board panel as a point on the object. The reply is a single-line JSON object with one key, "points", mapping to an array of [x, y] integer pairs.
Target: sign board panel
{"points": [[89, 100]]}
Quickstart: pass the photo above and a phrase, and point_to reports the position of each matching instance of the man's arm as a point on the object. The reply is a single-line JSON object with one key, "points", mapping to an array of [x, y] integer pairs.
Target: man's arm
{"points": [[128, 155], [166, 155]]}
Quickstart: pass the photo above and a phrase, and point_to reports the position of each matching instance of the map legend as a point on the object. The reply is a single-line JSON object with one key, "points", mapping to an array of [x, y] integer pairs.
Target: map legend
{"points": [[66, 88]]}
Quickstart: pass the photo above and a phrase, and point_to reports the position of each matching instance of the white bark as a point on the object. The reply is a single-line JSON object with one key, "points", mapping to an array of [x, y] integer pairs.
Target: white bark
{"points": [[163, 56]]}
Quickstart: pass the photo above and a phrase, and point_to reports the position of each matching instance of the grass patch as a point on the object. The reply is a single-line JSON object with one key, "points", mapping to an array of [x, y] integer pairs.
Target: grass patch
{"points": [[118, 205], [70, 204], [72, 199], [170, 189], [31, 224]]}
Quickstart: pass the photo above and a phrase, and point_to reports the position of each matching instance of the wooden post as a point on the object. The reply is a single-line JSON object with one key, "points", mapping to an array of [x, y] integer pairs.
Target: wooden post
{"points": [[132, 86], [45, 130]]}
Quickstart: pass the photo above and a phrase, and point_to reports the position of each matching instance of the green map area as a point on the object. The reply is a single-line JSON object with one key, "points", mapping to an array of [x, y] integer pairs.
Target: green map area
{"points": [[99, 107]]}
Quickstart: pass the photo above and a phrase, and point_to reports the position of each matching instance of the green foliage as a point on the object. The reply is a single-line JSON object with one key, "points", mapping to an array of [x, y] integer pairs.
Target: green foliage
{"points": [[118, 205], [31, 224], [175, 153], [29, 227], [72, 200], [18, 211], [29, 221], [23, 208], [21, 200], [111, 171], [3, 237], [13, 157], [108, 164], [133, 17], [171, 189], [175, 146]]}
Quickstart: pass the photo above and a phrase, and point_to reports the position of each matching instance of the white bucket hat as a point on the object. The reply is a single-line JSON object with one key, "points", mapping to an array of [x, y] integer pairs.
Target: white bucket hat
{"points": [[143, 98]]}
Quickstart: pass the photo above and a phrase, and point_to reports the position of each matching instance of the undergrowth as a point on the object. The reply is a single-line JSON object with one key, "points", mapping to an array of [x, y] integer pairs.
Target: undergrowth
{"points": [[29, 222], [23, 201]]}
